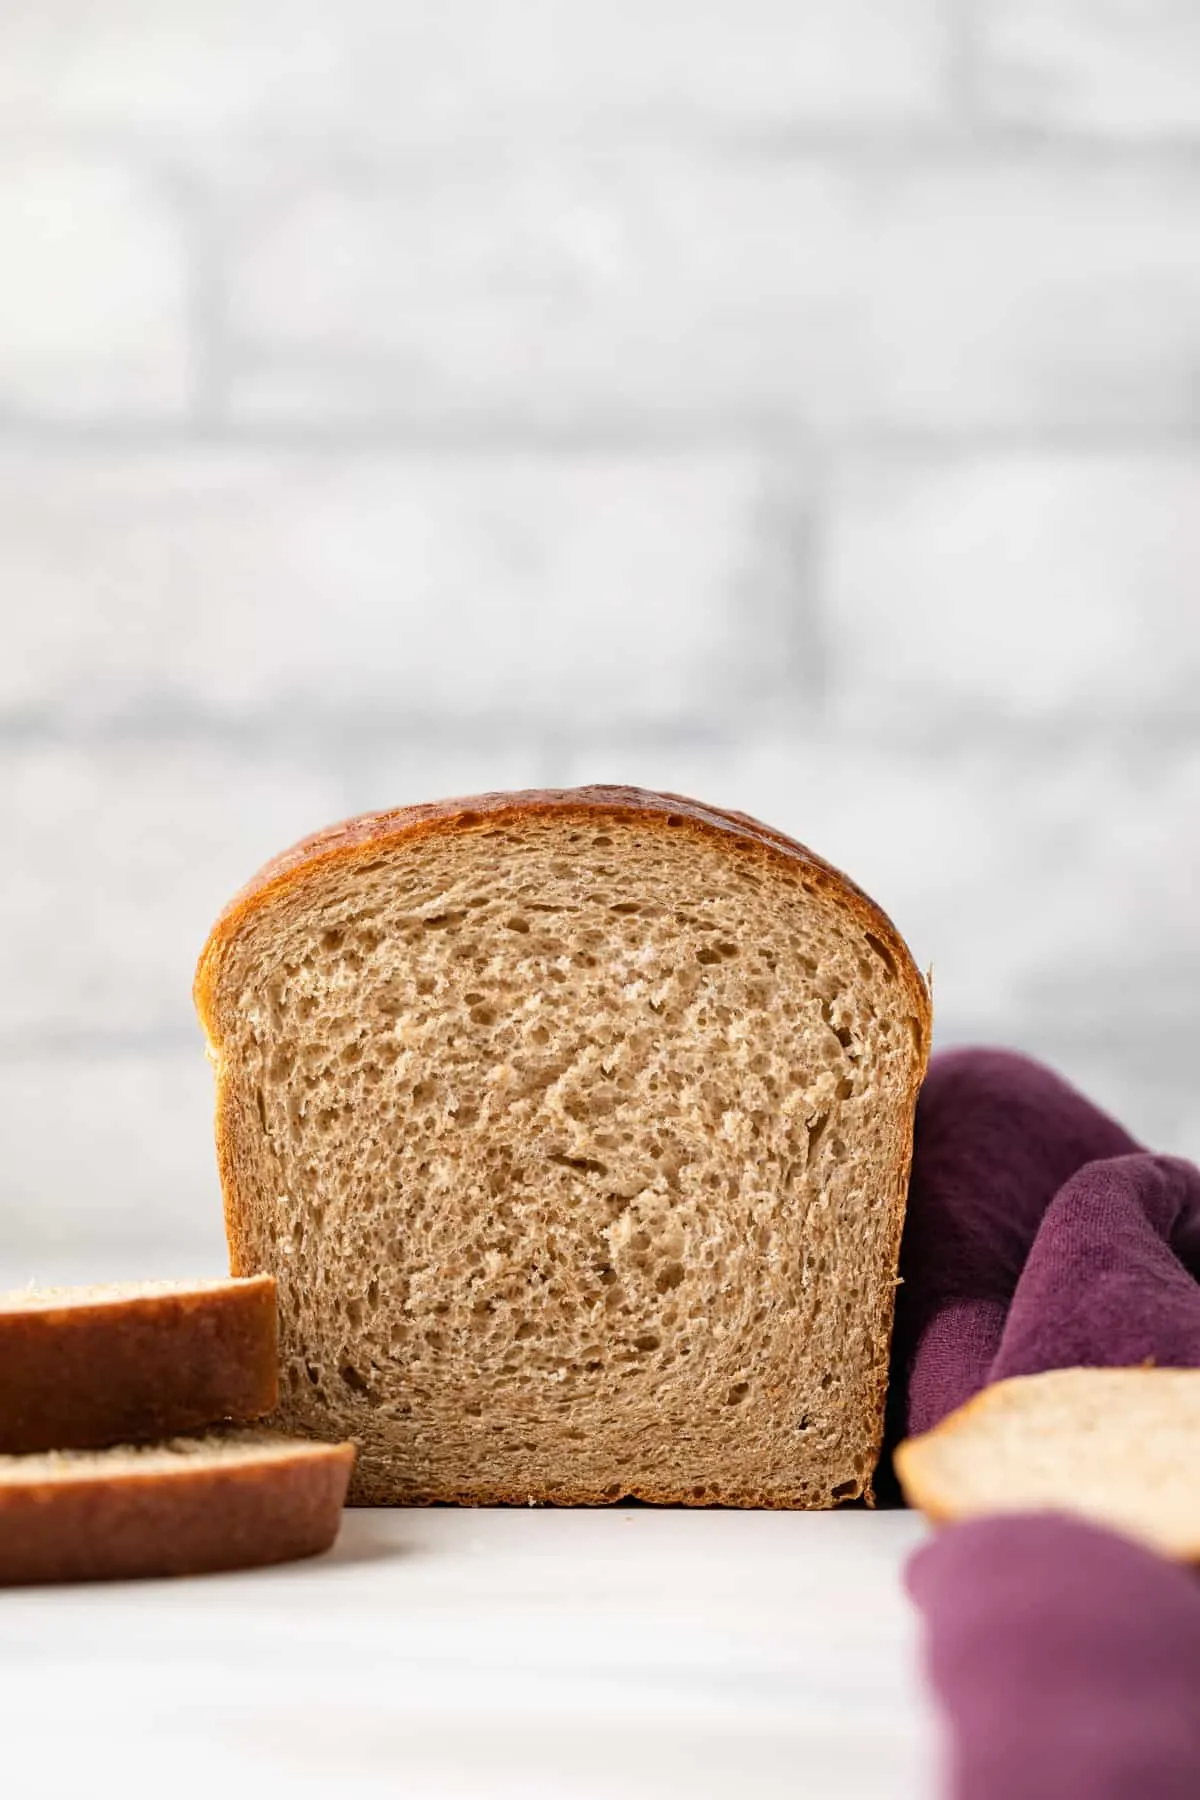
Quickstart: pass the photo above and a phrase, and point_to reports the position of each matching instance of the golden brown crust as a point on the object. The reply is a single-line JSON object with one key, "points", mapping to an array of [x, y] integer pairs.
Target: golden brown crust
{"points": [[124, 1524], [88, 1371], [359, 839]]}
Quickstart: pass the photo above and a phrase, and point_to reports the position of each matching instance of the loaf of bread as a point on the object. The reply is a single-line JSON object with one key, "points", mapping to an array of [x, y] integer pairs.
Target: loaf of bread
{"points": [[85, 1367], [229, 1500], [575, 1127], [1120, 1447]]}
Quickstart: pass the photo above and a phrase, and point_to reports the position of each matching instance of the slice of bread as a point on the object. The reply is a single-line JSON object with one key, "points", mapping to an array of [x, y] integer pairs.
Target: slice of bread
{"points": [[576, 1129], [1120, 1447], [229, 1500], [89, 1366]]}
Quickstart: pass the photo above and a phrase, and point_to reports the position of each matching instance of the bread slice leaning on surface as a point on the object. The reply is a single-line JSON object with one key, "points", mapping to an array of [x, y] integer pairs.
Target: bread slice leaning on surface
{"points": [[230, 1500], [575, 1127], [86, 1366], [1120, 1447]]}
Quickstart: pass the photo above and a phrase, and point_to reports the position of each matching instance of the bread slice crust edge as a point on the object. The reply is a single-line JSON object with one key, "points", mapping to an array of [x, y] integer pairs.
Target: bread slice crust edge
{"points": [[105, 1518], [82, 1368]]}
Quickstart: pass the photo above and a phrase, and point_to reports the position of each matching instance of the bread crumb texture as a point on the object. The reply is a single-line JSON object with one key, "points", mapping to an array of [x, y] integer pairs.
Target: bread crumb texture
{"points": [[578, 1147], [173, 1456]]}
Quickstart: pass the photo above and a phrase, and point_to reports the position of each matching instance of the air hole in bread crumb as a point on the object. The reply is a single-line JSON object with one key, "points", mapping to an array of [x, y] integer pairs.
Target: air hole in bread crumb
{"points": [[846, 1490], [372, 1294], [648, 1340], [625, 906], [352, 1379], [669, 1277], [354, 1313], [737, 1393], [443, 921], [587, 1165], [517, 923], [883, 953]]}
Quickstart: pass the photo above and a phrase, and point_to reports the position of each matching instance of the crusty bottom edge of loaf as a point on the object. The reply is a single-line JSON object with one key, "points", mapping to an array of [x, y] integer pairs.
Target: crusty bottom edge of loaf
{"points": [[368, 1494]]}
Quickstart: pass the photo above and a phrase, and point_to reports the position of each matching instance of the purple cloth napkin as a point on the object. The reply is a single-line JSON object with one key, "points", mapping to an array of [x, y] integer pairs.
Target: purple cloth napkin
{"points": [[1067, 1658], [1038, 1235], [1041, 1235]]}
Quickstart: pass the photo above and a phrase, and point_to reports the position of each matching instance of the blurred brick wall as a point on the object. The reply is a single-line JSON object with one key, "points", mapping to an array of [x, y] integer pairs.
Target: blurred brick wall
{"points": [[790, 401]]}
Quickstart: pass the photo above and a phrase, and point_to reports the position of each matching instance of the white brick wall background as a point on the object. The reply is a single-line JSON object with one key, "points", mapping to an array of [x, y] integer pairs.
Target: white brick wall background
{"points": [[790, 401]]}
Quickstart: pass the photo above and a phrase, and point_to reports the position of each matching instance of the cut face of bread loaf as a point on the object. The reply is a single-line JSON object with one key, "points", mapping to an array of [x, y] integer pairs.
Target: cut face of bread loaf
{"points": [[229, 1500], [1120, 1447], [575, 1128], [81, 1367]]}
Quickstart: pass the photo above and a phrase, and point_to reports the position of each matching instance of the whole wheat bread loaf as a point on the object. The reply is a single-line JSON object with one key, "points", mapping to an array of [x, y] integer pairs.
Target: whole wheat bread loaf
{"points": [[230, 1500], [1120, 1447], [87, 1366], [575, 1127]]}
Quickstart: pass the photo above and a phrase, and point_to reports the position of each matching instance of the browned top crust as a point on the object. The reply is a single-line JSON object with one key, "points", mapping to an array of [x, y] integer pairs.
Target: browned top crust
{"points": [[357, 839]]}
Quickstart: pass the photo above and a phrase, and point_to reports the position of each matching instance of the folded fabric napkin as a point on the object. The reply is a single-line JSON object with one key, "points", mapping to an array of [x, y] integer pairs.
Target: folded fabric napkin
{"points": [[1067, 1659], [1041, 1235]]}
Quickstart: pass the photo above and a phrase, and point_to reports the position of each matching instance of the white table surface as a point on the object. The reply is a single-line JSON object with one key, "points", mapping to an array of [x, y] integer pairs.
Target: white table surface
{"points": [[490, 1655]]}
